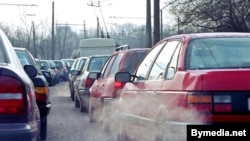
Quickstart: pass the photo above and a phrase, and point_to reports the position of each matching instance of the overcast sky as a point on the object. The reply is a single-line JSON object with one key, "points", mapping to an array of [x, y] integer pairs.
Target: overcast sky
{"points": [[74, 11]]}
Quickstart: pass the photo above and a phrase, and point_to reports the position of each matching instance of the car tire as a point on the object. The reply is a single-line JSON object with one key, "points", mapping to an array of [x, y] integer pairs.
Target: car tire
{"points": [[43, 132], [82, 108], [72, 96], [77, 103]]}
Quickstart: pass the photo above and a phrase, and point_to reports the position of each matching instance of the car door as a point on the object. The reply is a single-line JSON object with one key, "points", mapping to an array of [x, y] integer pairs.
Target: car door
{"points": [[98, 86], [142, 96], [109, 84], [153, 94]]}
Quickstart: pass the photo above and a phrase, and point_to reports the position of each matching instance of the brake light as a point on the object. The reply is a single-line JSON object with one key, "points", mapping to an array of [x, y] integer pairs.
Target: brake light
{"points": [[208, 102], [88, 82], [11, 96], [119, 85], [222, 103], [41, 93]]}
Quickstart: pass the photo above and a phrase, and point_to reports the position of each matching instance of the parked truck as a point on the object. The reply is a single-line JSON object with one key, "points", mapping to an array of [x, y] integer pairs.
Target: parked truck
{"points": [[94, 46]]}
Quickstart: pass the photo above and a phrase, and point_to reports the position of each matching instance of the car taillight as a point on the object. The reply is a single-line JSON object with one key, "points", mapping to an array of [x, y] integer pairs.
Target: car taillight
{"points": [[222, 103], [119, 85], [89, 82], [41, 93], [208, 102], [11, 96]]}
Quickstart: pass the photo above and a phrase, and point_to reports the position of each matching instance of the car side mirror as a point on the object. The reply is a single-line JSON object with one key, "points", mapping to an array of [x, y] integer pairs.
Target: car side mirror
{"points": [[75, 72], [123, 77], [30, 70], [94, 75]]}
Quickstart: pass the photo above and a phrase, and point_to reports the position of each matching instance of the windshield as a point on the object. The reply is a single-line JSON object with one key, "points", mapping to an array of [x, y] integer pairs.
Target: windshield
{"points": [[218, 53]]}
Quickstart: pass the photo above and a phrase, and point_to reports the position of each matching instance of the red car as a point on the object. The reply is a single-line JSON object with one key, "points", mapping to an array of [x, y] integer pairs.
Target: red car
{"points": [[188, 79], [104, 89]]}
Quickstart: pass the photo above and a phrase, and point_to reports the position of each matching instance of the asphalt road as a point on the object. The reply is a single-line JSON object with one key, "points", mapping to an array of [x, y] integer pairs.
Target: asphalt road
{"points": [[67, 123]]}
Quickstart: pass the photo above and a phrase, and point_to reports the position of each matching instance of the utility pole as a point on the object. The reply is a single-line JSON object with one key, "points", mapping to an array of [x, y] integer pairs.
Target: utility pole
{"points": [[156, 21], [97, 28], [84, 29], [34, 39], [53, 40], [148, 25]]}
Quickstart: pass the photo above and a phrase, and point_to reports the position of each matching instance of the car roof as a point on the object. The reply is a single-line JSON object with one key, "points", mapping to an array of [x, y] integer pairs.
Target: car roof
{"points": [[211, 34], [130, 50]]}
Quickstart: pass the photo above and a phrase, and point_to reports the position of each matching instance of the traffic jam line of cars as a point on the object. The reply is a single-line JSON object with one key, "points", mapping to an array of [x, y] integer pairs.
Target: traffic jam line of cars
{"points": [[24, 92], [183, 80]]}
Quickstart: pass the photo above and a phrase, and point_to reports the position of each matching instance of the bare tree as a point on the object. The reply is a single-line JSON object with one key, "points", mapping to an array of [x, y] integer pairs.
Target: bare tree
{"points": [[213, 15]]}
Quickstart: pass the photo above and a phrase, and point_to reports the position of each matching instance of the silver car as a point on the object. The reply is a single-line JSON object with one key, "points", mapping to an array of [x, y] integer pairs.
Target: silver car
{"points": [[19, 113]]}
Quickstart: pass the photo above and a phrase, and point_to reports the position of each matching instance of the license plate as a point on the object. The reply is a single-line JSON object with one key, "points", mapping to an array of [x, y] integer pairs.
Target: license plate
{"points": [[248, 103]]}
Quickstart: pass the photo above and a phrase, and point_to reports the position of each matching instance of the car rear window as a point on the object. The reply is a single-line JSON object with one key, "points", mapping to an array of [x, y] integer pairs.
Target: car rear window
{"points": [[23, 58], [131, 62], [44, 64], [96, 63], [218, 53], [2, 54]]}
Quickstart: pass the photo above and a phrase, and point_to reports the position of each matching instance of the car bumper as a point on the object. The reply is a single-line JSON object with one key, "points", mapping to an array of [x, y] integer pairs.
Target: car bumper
{"points": [[83, 93], [49, 80], [44, 109], [17, 132]]}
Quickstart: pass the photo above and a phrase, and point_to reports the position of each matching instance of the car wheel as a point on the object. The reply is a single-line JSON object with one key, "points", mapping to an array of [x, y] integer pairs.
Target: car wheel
{"points": [[72, 96], [77, 103], [43, 133], [82, 108]]}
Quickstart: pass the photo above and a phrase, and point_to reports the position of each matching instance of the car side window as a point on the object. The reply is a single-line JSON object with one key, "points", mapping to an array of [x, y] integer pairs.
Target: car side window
{"points": [[81, 64], [108, 66], [171, 69], [2, 54], [162, 61], [115, 65], [145, 65]]}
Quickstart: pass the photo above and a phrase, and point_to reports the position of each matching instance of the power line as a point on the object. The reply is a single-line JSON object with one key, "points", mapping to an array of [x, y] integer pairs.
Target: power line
{"points": [[71, 24], [10, 4], [128, 17]]}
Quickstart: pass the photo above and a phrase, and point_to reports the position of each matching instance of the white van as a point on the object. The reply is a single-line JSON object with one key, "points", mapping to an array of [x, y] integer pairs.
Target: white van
{"points": [[94, 46]]}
